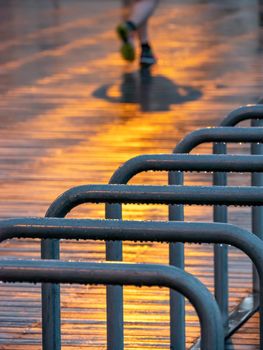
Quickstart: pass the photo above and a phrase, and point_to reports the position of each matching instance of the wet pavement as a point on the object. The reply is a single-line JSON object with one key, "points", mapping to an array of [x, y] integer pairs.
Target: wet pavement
{"points": [[72, 111]]}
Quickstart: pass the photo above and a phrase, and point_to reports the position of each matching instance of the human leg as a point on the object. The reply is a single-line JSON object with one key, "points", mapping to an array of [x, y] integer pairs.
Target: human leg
{"points": [[147, 57], [141, 11], [143, 34], [125, 32], [136, 14]]}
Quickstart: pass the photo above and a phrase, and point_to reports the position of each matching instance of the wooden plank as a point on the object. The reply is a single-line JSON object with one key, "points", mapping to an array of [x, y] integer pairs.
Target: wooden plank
{"points": [[71, 112]]}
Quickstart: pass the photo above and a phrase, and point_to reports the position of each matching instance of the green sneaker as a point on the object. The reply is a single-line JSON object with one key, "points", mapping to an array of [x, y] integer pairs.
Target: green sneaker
{"points": [[127, 49]]}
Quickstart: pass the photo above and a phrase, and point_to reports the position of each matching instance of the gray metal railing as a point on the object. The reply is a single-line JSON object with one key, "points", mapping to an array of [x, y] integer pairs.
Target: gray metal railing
{"points": [[196, 138], [255, 114], [140, 231], [164, 194], [176, 251], [250, 112], [149, 194], [122, 175], [51, 271], [257, 212], [114, 249]]}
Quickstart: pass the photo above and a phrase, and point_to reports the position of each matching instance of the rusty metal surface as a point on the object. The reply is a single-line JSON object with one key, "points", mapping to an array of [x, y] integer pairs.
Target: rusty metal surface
{"points": [[68, 118]]}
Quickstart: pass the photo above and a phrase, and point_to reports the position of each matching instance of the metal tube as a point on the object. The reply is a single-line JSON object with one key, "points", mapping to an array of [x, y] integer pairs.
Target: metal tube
{"points": [[141, 194], [51, 320], [83, 194], [254, 111], [155, 194], [160, 162], [257, 212], [212, 335], [176, 250], [158, 231], [221, 250], [185, 162], [141, 231], [220, 212], [177, 214], [205, 135], [223, 134]]}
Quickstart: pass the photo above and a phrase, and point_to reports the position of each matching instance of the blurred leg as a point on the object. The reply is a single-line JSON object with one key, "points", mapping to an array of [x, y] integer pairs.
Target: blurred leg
{"points": [[136, 14], [147, 57], [125, 32], [142, 10], [143, 33]]}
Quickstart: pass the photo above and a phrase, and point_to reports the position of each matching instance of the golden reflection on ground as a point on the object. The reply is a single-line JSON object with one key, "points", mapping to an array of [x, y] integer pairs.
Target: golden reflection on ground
{"points": [[72, 112]]}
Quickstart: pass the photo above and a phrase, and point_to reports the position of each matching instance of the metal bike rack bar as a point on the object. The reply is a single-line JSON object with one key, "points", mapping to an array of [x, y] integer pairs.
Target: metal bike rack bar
{"points": [[176, 251], [257, 212], [114, 250], [212, 333], [255, 114], [141, 231], [249, 112], [221, 134], [50, 293], [164, 194], [142, 194]]}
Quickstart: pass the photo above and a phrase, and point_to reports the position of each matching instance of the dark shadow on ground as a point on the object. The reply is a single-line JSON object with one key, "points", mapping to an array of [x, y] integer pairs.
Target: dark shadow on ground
{"points": [[151, 93]]}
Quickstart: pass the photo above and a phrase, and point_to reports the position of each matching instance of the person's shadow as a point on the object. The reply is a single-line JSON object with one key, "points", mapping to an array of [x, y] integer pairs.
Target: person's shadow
{"points": [[151, 93]]}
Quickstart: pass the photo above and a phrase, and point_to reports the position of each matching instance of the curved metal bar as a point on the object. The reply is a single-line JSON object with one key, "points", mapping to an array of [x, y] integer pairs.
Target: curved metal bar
{"points": [[257, 213], [166, 162], [221, 134], [158, 194], [158, 231], [198, 195], [114, 250], [243, 113], [212, 334], [176, 251], [255, 114], [141, 231], [185, 162]]}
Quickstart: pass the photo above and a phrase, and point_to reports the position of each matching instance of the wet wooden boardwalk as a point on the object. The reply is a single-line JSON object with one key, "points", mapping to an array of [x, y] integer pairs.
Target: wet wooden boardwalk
{"points": [[71, 112]]}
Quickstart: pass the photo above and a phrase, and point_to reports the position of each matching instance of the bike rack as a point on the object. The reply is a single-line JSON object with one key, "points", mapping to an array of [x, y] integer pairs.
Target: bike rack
{"points": [[163, 194], [221, 134], [51, 249], [176, 251], [255, 114], [138, 231], [212, 333], [249, 112]]}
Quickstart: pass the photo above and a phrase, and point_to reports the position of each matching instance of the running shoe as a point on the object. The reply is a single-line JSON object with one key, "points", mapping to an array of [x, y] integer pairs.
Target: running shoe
{"points": [[127, 48], [147, 58]]}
